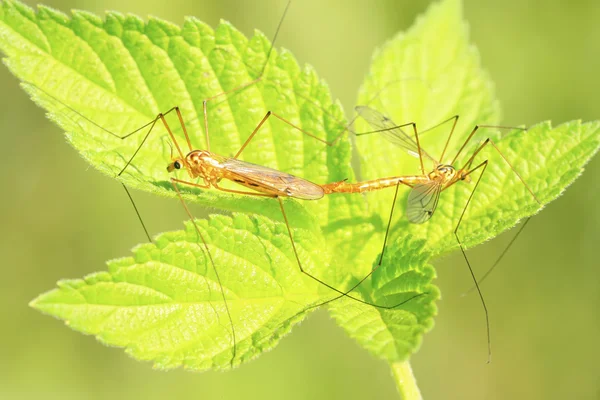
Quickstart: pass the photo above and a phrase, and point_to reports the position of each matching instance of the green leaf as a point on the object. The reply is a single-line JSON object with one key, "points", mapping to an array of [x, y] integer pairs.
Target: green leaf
{"points": [[165, 304], [121, 72], [424, 75], [403, 279]]}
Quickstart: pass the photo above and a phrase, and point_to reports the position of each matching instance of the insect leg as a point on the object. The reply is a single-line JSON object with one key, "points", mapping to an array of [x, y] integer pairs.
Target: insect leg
{"points": [[342, 293], [265, 118], [414, 126], [137, 212], [501, 256], [462, 249], [245, 85], [287, 224], [467, 164], [175, 182], [150, 125], [387, 231]]}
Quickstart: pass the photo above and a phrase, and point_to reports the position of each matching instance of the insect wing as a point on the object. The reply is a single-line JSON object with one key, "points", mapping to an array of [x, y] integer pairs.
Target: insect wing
{"points": [[389, 129], [422, 202], [272, 179]]}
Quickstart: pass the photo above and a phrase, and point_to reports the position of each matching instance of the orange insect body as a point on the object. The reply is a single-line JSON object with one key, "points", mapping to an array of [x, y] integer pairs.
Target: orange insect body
{"points": [[212, 168], [443, 174]]}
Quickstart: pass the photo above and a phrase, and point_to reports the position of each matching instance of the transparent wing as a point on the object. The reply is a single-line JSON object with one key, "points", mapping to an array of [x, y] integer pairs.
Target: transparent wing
{"points": [[259, 177], [390, 131], [422, 201]]}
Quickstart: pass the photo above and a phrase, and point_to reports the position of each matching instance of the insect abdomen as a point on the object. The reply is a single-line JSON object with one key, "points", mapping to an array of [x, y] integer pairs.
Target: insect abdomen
{"points": [[367, 186]]}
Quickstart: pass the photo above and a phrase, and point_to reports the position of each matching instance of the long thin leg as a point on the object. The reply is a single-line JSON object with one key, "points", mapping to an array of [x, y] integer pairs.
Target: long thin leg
{"points": [[490, 141], [206, 186], [449, 135], [420, 151], [348, 126], [387, 231], [174, 182], [484, 165], [414, 126], [137, 212], [468, 163], [150, 124], [275, 36], [328, 143], [262, 122], [478, 150], [462, 249], [247, 84], [342, 293], [501, 256], [160, 116], [454, 117], [113, 134], [246, 193], [345, 127], [475, 129]]}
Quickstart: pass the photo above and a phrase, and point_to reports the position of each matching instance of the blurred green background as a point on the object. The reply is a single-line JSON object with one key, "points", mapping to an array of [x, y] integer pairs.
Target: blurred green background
{"points": [[62, 219]]}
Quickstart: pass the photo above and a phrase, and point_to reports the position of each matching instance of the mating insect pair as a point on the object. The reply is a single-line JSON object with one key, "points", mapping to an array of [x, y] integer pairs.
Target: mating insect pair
{"points": [[212, 170]]}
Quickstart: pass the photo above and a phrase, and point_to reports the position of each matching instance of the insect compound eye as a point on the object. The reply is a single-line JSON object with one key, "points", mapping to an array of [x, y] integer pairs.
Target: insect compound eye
{"points": [[177, 165]]}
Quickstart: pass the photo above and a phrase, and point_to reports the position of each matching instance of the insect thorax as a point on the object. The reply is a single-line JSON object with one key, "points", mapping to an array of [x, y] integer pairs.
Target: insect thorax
{"points": [[443, 172], [202, 164]]}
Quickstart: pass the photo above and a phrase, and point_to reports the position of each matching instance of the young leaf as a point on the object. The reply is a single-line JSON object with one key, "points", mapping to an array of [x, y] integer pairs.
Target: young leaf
{"points": [[164, 303], [424, 75]]}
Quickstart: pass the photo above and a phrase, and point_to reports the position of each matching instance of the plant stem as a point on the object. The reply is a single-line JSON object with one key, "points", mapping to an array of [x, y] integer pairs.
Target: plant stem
{"points": [[405, 381]]}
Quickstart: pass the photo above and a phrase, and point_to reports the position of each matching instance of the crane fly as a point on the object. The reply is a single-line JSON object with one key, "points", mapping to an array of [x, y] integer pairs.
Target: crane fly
{"points": [[426, 187]]}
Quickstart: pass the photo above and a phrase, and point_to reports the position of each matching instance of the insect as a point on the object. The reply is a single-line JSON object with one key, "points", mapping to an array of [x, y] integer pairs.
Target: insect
{"points": [[426, 187]]}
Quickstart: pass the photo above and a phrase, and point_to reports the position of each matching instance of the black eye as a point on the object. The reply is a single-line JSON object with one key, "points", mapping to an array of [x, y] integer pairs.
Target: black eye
{"points": [[177, 165]]}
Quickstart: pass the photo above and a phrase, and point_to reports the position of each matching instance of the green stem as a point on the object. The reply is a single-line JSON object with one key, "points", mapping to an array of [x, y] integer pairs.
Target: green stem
{"points": [[405, 381]]}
